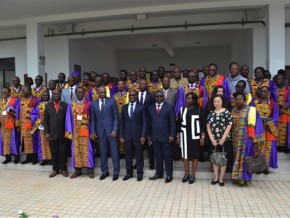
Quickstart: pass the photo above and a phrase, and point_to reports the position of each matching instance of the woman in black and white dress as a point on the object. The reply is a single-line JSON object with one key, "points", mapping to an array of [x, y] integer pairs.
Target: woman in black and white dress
{"points": [[191, 133]]}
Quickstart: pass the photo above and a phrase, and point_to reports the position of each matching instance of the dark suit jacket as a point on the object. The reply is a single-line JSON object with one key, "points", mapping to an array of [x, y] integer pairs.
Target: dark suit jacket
{"points": [[171, 96], [54, 123], [136, 127], [106, 122], [149, 99], [162, 125]]}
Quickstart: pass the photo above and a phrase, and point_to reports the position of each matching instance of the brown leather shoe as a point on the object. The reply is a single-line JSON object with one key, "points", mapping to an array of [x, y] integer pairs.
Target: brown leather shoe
{"points": [[53, 174], [65, 173], [75, 175], [91, 175]]}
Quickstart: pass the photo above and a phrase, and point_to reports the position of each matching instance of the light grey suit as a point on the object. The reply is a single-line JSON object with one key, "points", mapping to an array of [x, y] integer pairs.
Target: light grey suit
{"points": [[171, 96], [65, 96]]}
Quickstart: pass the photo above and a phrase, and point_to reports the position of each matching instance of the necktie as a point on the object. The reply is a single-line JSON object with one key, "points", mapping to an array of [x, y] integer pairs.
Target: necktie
{"points": [[158, 108], [56, 105], [165, 93], [103, 106], [131, 111], [71, 93], [141, 98]]}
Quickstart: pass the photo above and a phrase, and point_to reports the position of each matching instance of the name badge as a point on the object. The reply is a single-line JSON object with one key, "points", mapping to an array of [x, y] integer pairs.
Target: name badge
{"points": [[79, 117], [4, 113], [41, 127]]}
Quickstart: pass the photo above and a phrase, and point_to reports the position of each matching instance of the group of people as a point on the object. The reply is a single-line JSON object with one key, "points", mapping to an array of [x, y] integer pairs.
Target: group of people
{"points": [[171, 109]]}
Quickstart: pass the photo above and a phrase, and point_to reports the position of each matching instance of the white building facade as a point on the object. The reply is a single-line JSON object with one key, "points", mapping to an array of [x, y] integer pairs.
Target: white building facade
{"points": [[107, 36]]}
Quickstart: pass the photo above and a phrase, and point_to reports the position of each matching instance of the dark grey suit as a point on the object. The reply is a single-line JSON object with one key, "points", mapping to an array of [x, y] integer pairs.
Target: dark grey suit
{"points": [[171, 96]]}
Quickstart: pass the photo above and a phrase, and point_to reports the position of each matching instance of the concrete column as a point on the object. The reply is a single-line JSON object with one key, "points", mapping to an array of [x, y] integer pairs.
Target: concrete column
{"points": [[276, 36], [35, 49], [259, 47]]}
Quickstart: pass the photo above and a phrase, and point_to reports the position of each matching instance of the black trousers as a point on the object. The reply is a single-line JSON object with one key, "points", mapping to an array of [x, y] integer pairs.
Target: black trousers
{"points": [[58, 149], [150, 153], [163, 152], [130, 146]]}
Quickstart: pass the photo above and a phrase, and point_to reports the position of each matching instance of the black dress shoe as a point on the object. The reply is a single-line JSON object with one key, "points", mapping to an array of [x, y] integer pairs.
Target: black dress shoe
{"points": [[43, 163], [214, 182], [266, 172], [155, 177], [26, 161], [185, 179], [221, 183], [6, 161], [168, 179], [16, 161], [191, 179], [127, 177], [103, 176], [115, 177], [139, 177]]}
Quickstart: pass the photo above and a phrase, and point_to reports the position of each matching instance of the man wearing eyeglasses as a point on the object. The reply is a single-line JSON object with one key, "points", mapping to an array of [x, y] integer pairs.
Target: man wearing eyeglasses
{"points": [[162, 130], [133, 131]]}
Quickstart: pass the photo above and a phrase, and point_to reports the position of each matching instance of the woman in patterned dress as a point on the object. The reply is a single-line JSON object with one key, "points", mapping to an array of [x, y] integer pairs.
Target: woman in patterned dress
{"points": [[219, 124], [246, 132]]}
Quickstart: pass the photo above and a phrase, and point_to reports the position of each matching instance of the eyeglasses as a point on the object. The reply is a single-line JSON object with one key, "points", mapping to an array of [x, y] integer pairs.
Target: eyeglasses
{"points": [[158, 96]]}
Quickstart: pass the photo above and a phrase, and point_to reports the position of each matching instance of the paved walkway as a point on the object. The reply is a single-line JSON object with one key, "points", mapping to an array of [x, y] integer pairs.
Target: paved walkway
{"points": [[38, 195]]}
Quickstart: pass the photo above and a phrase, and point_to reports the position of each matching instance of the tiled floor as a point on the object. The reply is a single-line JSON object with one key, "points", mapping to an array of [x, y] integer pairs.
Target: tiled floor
{"points": [[40, 196]]}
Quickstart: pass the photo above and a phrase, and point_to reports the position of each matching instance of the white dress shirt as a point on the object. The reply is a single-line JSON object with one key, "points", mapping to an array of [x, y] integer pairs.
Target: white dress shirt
{"points": [[100, 103], [144, 96], [129, 108]]}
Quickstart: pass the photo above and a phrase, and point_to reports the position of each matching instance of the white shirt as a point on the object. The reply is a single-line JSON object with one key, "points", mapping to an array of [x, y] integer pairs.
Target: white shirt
{"points": [[100, 103], [129, 108], [160, 105], [165, 92], [73, 89], [144, 96], [50, 94]]}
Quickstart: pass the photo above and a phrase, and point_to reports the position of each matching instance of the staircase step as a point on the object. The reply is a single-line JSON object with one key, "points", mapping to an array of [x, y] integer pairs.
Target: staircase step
{"points": [[282, 173]]}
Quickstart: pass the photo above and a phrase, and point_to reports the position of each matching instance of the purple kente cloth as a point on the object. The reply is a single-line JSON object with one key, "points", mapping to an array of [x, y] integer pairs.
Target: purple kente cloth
{"points": [[69, 126], [180, 100], [14, 104], [249, 150], [273, 91], [273, 162]]}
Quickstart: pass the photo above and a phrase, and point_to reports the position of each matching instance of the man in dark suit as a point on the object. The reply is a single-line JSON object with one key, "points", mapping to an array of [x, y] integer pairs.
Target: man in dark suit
{"points": [[147, 99], [104, 125], [170, 94], [54, 129], [133, 129], [162, 130]]}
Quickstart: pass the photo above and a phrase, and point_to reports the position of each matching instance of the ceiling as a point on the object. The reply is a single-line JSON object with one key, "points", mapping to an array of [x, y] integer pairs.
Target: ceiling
{"points": [[21, 9], [172, 40]]}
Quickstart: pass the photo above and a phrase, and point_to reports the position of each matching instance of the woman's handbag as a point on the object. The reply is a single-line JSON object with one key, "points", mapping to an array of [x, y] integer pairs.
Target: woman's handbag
{"points": [[219, 158], [256, 165]]}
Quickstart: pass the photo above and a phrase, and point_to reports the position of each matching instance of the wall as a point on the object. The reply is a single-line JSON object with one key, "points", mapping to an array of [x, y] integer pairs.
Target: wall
{"points": [[287, 43], [91, 54], [56, 56], [56, 53], [185, 58], [242, 48], [16, 49]]}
